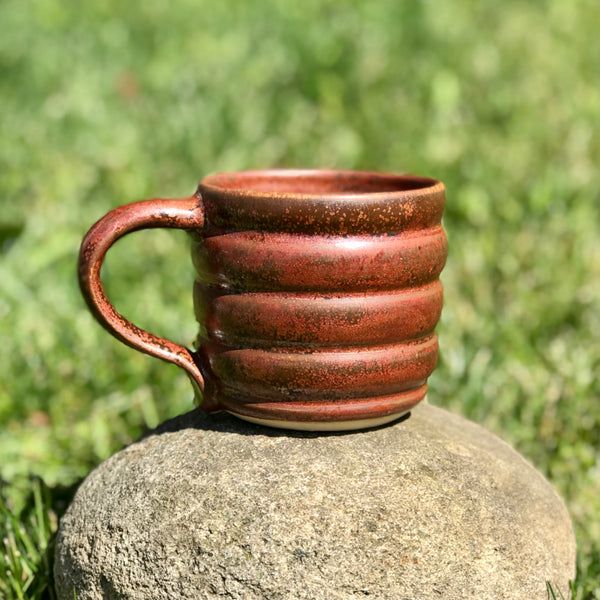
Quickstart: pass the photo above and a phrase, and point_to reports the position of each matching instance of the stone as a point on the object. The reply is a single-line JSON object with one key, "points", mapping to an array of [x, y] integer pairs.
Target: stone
{"points": [[433, 506]]}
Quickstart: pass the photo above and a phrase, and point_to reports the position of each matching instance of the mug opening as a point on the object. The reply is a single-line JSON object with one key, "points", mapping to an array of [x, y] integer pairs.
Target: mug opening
{"points": [[316, 182]]}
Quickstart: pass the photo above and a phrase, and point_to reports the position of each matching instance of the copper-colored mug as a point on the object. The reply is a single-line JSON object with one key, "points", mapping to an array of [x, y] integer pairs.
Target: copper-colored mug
{"points": [[317, 293]]}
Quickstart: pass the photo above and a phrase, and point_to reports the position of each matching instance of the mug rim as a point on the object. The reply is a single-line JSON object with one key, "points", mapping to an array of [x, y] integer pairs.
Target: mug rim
{"points": [[358, 184]]}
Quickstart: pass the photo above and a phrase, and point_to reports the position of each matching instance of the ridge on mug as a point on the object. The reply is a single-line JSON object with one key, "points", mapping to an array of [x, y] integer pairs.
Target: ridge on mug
{"points": [[317, 292]]}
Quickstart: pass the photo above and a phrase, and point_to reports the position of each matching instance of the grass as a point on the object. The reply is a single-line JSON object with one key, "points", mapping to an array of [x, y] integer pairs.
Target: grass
{"points": [[556, 594], [26, 557], [103, 103]]}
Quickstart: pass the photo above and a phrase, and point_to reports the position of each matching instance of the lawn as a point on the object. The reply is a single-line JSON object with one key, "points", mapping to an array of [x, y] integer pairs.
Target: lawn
{"points": [[103, 103]]}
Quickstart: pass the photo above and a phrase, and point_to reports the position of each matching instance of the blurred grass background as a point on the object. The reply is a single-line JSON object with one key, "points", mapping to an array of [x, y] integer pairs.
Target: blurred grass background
{"points": [[105, 102]]}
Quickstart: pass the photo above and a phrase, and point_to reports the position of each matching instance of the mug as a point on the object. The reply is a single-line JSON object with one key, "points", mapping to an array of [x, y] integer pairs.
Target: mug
{"points": [[317, 293]]}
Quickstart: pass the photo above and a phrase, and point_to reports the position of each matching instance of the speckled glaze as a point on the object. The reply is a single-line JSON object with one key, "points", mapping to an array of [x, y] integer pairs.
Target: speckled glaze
{"points": [[317, 292]]}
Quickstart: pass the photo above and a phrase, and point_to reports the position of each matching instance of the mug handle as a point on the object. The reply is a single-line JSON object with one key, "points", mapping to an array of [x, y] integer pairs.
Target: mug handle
{"points": [[184, 213]]}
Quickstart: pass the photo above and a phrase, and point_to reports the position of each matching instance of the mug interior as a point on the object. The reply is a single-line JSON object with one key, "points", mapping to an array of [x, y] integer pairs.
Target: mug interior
{"points": [[315, 182]]}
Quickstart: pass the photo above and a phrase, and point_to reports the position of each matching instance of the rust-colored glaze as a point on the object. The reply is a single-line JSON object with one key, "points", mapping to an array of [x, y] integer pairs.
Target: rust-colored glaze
{"points": [[186, 213], [363, 408], [317, 291], [314, 376], [319, 320], [252, 261]]}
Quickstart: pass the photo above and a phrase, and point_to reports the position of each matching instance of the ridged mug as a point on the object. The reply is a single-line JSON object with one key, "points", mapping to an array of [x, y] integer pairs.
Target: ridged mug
{"points": [[317, 292]]}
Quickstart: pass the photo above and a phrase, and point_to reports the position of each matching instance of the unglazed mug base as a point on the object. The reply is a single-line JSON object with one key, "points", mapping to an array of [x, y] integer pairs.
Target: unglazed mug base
{"points": [[323, 425]]}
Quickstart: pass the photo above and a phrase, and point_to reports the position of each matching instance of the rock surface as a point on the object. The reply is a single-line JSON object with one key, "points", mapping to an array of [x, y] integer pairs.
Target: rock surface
{"points": [[433, 506]]}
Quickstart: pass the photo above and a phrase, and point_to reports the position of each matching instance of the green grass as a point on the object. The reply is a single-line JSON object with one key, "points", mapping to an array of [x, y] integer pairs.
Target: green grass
{"points": [[103, 103], [26, 556]]}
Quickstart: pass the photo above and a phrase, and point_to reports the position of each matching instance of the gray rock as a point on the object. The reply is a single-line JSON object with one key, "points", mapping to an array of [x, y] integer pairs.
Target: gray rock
{"points": [[433, 506]]}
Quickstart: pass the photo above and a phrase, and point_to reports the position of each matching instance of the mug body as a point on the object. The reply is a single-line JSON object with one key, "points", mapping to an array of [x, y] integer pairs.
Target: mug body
{"points": [[317, 295]]}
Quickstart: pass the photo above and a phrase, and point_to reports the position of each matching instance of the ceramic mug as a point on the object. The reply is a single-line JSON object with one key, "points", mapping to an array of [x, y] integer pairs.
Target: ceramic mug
{"points": [[317, 292]]}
